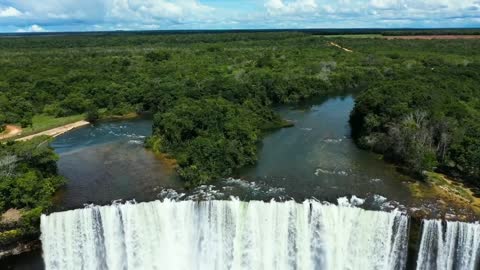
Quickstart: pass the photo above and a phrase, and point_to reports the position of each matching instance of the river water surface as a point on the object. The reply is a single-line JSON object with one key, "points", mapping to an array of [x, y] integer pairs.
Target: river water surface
{"points": [[317, 158], [108, 161]]}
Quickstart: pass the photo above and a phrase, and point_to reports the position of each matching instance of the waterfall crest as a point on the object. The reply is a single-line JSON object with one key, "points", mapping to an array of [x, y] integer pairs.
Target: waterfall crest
{"points": [[224, 235], [455, 245]]}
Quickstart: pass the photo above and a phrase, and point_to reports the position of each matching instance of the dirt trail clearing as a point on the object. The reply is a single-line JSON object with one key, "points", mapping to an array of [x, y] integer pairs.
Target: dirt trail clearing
{"points": [[338, 46], [11, 216], [10, 131], [54, 132]]}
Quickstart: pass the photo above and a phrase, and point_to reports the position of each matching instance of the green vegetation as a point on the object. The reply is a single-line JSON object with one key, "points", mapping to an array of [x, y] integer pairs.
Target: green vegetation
{"points": [[210, 137], [425, 117], [213, 94], [355, 36], [28, 180], [42, 122], [439, 187], [6, 237]]}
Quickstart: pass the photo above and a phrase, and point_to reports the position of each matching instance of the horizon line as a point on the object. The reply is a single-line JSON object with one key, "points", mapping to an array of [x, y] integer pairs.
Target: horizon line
{"points": [[376, 29]]}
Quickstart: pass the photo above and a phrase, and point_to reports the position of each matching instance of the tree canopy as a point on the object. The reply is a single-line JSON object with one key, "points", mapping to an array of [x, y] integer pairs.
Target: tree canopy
{"points": [[213, 94]]}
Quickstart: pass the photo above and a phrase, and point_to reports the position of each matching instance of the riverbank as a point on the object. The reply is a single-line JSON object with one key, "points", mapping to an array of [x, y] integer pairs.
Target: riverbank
{"points": [[454, 199], [29, 178], [40, 123], [53, 127], [21, 247], [54, 132], [113, 117]]}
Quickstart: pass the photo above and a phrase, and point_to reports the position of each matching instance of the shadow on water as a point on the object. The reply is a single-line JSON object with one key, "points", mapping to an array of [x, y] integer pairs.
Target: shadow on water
{"points": [[317, 157], [26, 261]]}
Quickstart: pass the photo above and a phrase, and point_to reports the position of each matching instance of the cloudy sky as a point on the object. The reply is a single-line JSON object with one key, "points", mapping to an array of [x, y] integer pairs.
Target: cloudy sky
{"points": [[99, 15]]}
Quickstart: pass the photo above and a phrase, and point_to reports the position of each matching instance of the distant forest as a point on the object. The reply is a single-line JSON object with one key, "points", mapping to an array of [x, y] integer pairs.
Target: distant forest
{"points": [[213, 94]]}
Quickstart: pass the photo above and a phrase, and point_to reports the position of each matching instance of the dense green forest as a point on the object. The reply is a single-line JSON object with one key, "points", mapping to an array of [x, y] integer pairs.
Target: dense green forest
{"points": [[212, 95], [424, 119], [28, 180]]}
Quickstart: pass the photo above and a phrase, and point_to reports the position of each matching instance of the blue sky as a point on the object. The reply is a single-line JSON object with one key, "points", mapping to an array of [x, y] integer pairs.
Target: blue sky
{"points": [[100, 15]]}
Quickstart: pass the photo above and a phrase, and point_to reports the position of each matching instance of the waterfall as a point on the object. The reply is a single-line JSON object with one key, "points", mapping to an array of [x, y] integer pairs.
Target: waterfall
{"points": [[454, 246], [224, 235]]}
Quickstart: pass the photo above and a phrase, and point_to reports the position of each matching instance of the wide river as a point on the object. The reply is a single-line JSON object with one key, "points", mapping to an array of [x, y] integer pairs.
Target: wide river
{"points": [[314, 159]]}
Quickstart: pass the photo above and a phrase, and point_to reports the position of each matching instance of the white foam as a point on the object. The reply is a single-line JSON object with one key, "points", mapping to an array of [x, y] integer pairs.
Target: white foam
{"points": [[224, 235]]}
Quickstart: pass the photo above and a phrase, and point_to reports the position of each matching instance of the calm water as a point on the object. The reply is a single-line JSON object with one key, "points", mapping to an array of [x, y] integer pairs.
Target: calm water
{"points": [[315, 158], [318, 158], [111, 160]]}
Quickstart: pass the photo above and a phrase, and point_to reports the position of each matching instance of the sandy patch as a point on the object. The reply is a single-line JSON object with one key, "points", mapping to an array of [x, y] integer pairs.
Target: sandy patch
{"points": [[11, 216], [10, 131], [338, 46], [54, 132]]}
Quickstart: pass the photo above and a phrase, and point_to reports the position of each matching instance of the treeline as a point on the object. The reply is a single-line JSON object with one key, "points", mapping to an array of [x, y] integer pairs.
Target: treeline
{"points": [[213, 94], [116, 39], [425, 119], [432, 32], [214, 127], [28, 180]]}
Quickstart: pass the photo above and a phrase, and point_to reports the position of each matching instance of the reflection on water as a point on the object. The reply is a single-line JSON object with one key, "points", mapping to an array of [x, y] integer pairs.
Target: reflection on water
{"points": [[317, 157], [108, 162]]}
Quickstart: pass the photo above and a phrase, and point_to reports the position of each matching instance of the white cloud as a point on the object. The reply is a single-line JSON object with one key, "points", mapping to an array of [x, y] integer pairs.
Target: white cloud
{"points": [[374, 13], [385, 4], [84, 15], [9, 12], [61, 9], [35, 28], [405, 6], [111, 13], [152, 10], [278, 7]]}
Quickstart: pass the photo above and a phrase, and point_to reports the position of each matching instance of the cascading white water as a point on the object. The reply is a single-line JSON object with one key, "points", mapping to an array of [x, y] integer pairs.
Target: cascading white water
{"points": [[454, 246], [224, 235]]}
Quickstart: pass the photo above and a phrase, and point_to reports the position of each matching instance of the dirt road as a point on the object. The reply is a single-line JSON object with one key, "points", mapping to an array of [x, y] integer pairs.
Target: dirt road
{"points": [[338, 46]]}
